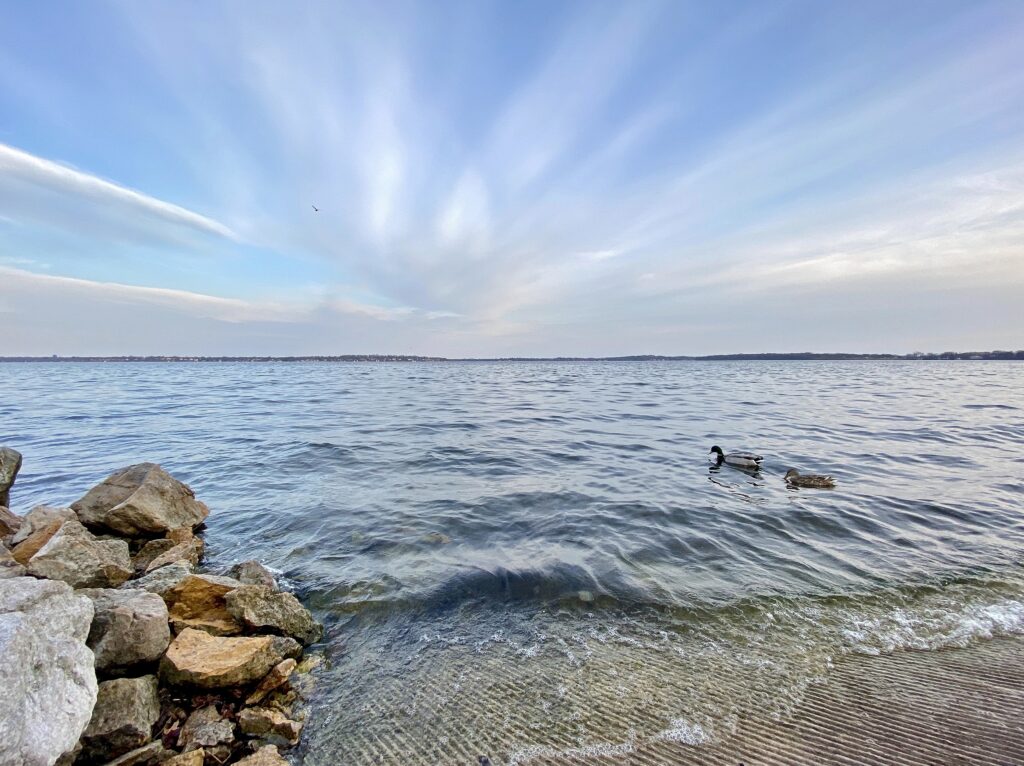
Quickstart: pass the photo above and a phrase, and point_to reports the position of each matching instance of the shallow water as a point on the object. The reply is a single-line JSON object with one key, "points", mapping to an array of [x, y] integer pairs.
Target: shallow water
{"points": [[531, 559]]}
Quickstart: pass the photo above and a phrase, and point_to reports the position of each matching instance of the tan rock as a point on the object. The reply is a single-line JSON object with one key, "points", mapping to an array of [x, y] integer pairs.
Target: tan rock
{"points": [[275, 679], [269, 724], [150, 551], [180, 535], [191, 758], [39, 517], [81, 560], [265, 756], [31, 545], [198, 602], [141, 500], [9, 522], [187, 552], [196, 658], [264, 609]]}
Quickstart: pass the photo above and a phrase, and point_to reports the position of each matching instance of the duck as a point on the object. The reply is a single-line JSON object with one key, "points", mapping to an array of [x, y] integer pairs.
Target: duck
{"points": [[738, 459], [808, 480]]}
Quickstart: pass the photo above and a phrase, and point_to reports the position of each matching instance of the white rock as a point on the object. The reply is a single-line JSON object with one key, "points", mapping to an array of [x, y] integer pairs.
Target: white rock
{"points": [[47, 678]]}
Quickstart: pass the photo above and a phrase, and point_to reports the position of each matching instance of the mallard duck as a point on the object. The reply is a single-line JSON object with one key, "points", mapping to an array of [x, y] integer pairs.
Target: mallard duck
{"points": [[809, 480], [738, 459]]}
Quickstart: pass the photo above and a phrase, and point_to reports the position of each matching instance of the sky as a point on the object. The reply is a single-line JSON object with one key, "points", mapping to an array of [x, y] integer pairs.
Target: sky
{"points": [[510, 178]]}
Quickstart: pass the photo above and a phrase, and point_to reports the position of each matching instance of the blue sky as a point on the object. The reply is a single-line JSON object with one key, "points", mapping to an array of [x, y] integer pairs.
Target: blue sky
{"points": [[510, 178]]}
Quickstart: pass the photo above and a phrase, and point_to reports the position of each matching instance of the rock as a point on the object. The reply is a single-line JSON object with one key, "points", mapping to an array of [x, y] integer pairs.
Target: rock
{"points": [[81, 560], [9, 522], [161, 580], [49, 684], [9, 566], [253, 573], [147, 755], [196, 658], [180, 535], [286, 646], [40, 517], [275, 679], [126, 710], [265, 756], [261, 608], [140, 500], [206, 728], [188, 552], [269, 724], [149, 551], [191, 758], [198, 602], [129, 627], [10, 464]]}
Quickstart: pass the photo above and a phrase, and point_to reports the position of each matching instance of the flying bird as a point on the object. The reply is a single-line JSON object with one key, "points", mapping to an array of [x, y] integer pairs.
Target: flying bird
{"points": [[315, 209]]}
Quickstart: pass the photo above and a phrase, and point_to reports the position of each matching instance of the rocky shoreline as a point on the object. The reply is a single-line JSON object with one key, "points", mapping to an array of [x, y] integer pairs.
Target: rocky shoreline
{"points": [[115, 649]]}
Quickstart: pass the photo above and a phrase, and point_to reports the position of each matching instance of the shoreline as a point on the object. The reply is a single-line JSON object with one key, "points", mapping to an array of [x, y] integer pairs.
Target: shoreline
{"points": [[123, 651]]}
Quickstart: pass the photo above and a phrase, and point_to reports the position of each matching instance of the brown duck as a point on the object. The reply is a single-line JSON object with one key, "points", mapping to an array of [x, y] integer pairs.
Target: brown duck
{"points": [[808, 481]]}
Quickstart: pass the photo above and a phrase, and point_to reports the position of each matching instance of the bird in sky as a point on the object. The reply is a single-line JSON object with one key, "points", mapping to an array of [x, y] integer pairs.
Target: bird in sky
{"points": [[315, 209]]}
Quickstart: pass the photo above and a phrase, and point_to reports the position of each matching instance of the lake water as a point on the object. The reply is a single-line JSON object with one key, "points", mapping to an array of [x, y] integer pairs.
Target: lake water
{"points": [[532, 560]]}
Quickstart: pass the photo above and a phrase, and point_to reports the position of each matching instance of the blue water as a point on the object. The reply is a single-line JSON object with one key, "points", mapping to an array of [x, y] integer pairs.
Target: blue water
{"points": [[527, 559]]}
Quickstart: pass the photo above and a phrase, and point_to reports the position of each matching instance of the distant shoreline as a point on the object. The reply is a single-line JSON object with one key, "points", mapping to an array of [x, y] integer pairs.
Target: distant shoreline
{"points": [[768, 357]]}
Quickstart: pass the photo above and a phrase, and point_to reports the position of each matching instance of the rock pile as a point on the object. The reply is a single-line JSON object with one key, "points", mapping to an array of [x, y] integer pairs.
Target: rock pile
{"points": [[114, 650]]}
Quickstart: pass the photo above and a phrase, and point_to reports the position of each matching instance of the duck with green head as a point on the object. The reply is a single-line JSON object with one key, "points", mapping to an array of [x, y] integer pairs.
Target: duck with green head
{"points": [[746, 460]]}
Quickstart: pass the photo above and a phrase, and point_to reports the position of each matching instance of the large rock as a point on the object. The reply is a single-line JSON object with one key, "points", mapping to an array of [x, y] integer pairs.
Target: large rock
{"points": [[253, 572], [160, 581], [264, 609], [126, 709], [129, 627], [269, 724], [198, 602], [10, 464], [82, 560], [49, 684], [41, 523], [10, 523], [141, 500], [196, 658], [265, 756], [9, 566]]}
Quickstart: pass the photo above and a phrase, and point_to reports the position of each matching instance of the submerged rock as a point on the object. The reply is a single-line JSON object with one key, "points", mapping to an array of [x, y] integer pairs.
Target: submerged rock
{"points": [[269, 724], [49, 684], [253, 572], [10, 523], [197, 601], [10, 464], [261, 608], [265, 756], [141, 500], [126, 710], [129, 627], [196, 658], [78, 558]]}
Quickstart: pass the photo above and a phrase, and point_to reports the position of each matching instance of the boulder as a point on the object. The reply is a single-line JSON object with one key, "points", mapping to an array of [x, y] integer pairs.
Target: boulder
{"points": [[264, 609], [269, 724], [9, 566], [150, 551], [206, 728], [9, 522], [275, 679], [198, 602], [140, 500], [160, 581], [253, 573], [265, 756], [81, 560], [10, 464], [147, 755], [196, 658], [49, 684], [188, 552], [126, 710], [129, 627], [41, 523]]}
